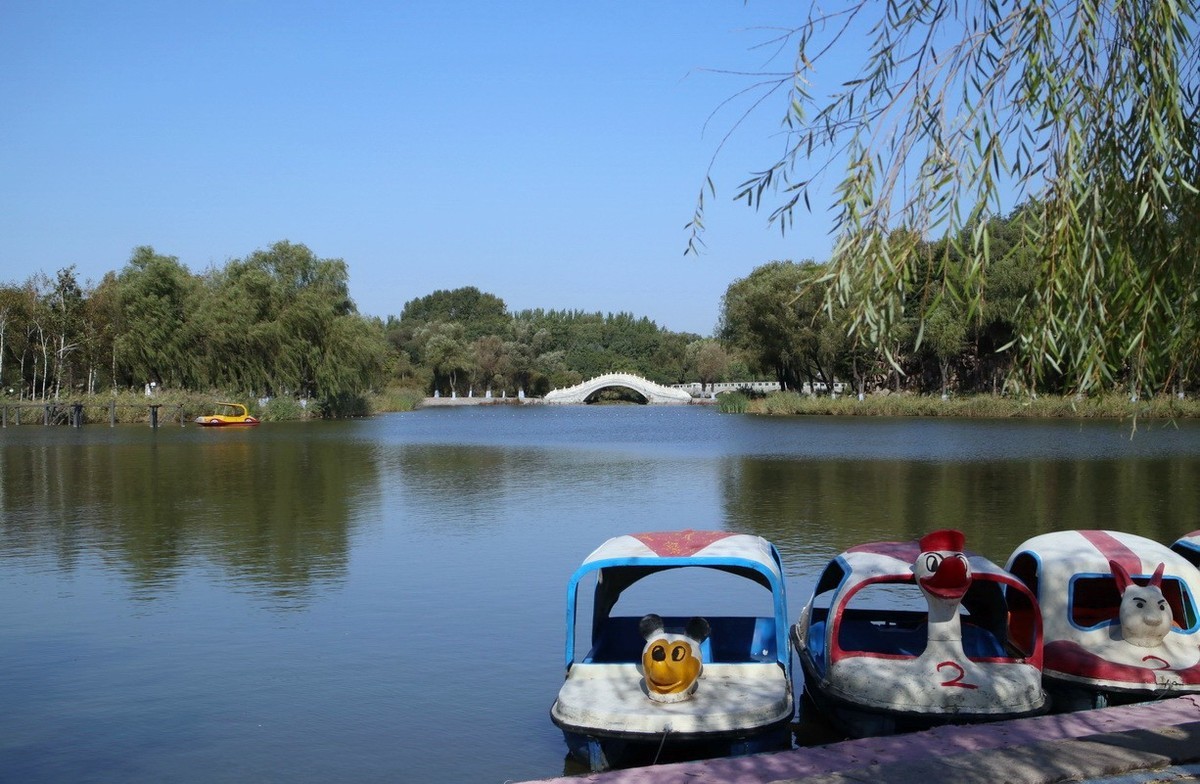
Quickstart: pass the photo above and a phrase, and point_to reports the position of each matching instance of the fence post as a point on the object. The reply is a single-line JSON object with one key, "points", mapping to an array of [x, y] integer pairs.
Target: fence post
{"points": [[154, 415]]}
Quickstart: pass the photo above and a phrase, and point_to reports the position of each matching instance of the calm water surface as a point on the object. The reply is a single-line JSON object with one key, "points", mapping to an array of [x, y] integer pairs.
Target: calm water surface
{"points": [[382, 600]]}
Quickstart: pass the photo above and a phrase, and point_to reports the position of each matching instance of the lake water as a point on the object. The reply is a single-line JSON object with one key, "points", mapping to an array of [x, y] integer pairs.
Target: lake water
{"points": [[382, 600]]}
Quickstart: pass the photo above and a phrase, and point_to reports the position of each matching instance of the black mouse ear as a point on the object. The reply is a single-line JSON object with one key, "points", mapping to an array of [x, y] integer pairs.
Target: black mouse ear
{"points": [[697, 629], [650, 625]]}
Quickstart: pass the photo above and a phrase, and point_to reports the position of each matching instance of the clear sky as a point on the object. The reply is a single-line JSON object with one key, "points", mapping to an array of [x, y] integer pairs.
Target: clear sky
{"points": [[547, 152]]}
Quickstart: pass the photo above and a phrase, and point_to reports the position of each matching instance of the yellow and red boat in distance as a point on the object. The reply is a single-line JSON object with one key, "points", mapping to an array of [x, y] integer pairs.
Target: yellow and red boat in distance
{"points": [[227, 414]]}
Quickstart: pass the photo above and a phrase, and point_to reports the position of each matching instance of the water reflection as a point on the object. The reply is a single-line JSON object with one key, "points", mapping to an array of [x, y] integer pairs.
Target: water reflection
{"points": [[810, 506], [274, 517], [278, 604]]}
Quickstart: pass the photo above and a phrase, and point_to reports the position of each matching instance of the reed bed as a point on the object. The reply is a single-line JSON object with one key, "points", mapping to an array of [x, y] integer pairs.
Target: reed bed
{"points": [[977, 406]]}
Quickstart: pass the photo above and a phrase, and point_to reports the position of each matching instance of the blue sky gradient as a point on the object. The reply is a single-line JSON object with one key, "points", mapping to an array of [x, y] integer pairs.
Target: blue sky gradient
{"points": [[549, 153]]}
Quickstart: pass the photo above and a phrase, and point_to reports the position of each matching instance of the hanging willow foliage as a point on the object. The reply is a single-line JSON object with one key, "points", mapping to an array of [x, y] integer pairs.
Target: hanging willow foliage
{"points": [[1087, 112]]}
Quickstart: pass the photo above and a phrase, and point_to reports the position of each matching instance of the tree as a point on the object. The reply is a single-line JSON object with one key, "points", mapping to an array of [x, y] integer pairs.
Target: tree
{"points": [[707, 360], [773, 315], [1090, 111], [65, 306], [155, 342], [479, 313]]}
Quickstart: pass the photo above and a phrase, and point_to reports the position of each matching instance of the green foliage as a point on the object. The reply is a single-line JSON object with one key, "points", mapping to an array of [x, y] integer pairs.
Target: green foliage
{"points": [[1086, 111], [343, 405], [777, 316], [733, 403], [282, 409], [397, 399], [978, 406]]}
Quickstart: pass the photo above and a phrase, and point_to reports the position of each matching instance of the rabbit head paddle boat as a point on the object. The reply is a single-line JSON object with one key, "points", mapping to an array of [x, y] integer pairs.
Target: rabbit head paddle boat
{"points": [[695, 685], [1188, 546], [956, 640], [1120, 615]]}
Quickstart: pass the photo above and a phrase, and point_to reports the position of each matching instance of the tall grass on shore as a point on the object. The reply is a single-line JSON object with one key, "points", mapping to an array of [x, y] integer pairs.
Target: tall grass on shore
{"points": [[399, 399], [977, 406], [133, 406]]}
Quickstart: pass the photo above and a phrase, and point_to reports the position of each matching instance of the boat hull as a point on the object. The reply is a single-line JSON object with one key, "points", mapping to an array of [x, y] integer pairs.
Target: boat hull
{"points": [[1088, 661], [608, 721], [849, 714]]}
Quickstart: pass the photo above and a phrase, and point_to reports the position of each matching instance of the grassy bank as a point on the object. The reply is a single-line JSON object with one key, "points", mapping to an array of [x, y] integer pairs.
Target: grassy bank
{"points": [[133, 407], [980, 406]]}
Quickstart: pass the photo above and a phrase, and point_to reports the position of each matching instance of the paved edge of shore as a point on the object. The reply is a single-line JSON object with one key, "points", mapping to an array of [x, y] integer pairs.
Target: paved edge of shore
{"points": [[1096, 744]]}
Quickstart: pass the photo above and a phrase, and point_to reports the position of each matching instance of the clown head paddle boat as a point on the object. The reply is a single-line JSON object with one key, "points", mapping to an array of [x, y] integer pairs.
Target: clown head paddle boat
{"points": [[1121, 621], [956, 640], [689, 685]]}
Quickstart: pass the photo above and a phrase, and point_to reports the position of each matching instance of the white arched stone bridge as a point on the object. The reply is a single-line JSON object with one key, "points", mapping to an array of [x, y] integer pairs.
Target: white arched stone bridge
{"points": [[654, 393]]}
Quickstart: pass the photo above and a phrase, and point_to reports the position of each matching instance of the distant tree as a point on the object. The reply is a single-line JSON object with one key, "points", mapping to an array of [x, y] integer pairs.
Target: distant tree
{"points": [[155, 342], [774, 316], [708, 360], [479, 313], [446, 353]]}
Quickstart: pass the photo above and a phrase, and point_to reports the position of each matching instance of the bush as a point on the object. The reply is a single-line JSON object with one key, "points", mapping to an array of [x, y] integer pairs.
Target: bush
{"points": [[344, 405], [733, 403], [282, 409], [397, 399]]}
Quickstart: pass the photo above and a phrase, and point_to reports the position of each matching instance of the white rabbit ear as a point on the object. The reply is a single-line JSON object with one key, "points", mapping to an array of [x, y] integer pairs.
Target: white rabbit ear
{"points": [[1156, 580], [1120, 575]]}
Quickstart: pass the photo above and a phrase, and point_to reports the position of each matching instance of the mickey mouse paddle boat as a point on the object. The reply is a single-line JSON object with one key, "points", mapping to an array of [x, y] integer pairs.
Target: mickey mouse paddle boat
{"points": [[692, 685], [1121, 619], [968, 650]]}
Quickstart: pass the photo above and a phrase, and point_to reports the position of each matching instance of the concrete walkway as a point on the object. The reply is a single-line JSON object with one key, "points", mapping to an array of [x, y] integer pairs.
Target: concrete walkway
{"points": [[1097, 745]]}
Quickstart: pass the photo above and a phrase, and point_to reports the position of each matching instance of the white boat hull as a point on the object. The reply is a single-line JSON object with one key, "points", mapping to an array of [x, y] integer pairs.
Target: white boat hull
{"points": [[738, 708]]}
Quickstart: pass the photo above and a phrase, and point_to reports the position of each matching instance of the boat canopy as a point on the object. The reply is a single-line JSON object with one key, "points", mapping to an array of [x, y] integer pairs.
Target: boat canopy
{"points": [[1070, 573], [1188, 546], [996, 600], [624, 560]]}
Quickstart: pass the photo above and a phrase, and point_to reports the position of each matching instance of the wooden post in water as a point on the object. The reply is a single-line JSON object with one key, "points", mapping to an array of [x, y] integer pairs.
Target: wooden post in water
{"points": [[77, 414], [5, 417], [46, 415], [181, 414], [112, 412], [17, 410], [154, 415]]}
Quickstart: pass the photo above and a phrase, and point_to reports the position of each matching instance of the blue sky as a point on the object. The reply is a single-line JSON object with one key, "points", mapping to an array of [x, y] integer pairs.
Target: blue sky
{"points": [[549, 153]]}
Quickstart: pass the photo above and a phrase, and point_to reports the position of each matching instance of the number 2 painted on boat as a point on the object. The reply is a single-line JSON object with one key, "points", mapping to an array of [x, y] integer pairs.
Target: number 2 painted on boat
{"points": [[957, 680]]}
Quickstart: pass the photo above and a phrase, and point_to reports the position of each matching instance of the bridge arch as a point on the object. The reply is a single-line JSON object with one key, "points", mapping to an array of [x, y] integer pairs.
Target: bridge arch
{"points": [[655, 394]]}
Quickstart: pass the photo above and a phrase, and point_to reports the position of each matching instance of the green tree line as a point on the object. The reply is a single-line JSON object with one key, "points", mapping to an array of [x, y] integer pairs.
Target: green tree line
{"points": [[280, 322], [783, 320]]}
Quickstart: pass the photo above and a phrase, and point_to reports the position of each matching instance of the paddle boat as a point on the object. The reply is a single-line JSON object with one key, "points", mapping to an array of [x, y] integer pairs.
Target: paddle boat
{"points": [[687, 685], [1188, 546], [1120, 616], [901, 636], [227, 414]]}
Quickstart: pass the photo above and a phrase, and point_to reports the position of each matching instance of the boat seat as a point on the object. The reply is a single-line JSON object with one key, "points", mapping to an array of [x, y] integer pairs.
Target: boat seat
{"points": [[730, 640], [900, 639]]}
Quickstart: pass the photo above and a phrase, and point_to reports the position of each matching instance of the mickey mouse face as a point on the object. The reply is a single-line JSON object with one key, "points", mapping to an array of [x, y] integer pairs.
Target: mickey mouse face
{"points": [[671, 666], [671, 662]]}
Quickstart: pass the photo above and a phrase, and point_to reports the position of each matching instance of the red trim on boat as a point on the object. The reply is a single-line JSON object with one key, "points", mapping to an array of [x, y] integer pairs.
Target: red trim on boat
{"points": [[1114, 550], [680, 543]]}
